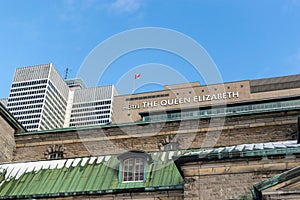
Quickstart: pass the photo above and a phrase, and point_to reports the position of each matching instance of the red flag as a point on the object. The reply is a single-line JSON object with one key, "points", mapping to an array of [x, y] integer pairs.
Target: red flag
{"points": [[137, 76]]}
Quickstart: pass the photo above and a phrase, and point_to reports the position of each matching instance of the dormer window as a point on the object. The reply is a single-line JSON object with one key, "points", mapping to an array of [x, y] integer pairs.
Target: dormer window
{"points": [[133, 169], [133, 166]]}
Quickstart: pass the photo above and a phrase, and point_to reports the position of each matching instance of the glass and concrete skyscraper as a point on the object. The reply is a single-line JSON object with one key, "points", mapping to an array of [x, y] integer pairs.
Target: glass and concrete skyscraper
{"points": [[92, 106], [41, 100], [89, 106], [38, 97]]}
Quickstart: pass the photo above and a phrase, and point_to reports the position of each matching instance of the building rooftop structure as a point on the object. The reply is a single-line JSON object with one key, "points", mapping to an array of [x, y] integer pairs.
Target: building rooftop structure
{"points": [[101, 174], [165, 134], [75, 83], [84, 176]]}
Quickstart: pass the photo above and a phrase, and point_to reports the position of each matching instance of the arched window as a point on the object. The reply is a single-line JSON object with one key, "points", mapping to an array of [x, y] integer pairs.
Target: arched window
{"points": [[55, 151], [56, 155]]}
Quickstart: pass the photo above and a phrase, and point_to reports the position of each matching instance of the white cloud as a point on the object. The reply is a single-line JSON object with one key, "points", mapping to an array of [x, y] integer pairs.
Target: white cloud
{"points": [[74, 9], [126, 6]]}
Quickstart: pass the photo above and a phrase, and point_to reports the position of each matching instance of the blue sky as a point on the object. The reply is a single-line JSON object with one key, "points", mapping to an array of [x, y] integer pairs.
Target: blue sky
{"points": [[247, 39]]}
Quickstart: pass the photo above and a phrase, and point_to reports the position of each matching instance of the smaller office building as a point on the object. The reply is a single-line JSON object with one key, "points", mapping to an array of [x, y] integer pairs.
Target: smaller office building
{"points": [[92, 106]]}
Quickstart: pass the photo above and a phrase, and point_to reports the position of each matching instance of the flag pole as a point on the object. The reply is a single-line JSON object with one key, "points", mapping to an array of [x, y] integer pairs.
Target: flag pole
{"points": [[136, 76], [133, 84]]}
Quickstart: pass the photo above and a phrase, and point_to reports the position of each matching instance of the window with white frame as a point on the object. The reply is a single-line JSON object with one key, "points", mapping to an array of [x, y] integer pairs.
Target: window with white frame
{"points": [[134, 166], [133, 169]]}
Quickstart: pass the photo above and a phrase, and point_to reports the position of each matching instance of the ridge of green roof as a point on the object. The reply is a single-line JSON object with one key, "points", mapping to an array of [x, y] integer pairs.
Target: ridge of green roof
{"points": [[242, 151]]}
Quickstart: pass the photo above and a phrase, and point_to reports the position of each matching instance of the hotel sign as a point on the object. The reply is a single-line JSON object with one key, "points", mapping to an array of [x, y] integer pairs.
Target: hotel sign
{"points": [[183, 100]]}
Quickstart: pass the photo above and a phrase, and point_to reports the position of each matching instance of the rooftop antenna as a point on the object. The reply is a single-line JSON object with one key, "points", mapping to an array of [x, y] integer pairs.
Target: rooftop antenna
{"points": [[67, 70]]}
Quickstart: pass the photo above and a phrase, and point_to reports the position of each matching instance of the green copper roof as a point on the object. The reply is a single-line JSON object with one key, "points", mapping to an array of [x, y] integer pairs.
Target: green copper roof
{"points": [[280, 178], [79, 176], [100, 175], [243, 151]]}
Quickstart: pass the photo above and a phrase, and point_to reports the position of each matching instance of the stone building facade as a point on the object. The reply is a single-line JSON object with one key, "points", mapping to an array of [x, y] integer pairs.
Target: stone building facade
{"points": [[146, 136], [231, 173], [281, 186], [222, 178], [9, 126], [181, 157], [232, 98]]}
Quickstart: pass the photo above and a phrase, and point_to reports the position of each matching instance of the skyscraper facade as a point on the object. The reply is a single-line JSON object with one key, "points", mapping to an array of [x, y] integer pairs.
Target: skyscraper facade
{"points": [[38, 97], [92, 106], [42, 100]]}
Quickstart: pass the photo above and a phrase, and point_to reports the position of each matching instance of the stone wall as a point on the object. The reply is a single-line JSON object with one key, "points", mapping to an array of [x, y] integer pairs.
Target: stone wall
{"points": [[224, 186], [269, 127], [7, 142], [161, 195], [230, 179]]}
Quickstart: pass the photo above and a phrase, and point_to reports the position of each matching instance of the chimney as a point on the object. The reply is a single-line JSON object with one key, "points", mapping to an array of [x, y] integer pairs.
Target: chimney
{"points": [[298, 131]]}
